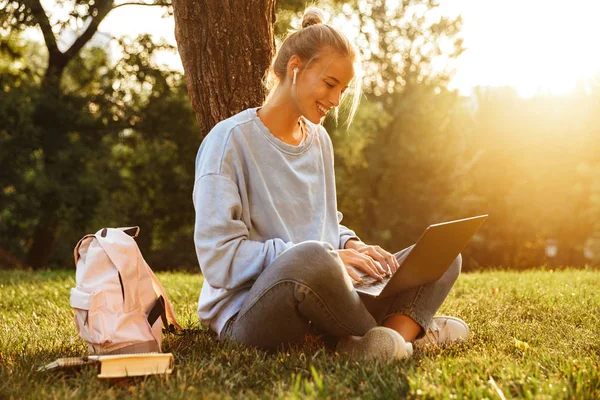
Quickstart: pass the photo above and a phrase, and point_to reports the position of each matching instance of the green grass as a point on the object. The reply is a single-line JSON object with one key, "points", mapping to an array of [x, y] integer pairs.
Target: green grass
{"points": [[536, 333]]}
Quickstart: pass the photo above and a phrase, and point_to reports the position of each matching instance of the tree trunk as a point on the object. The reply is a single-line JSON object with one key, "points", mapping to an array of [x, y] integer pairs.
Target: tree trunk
{"points": [[225, 47], [44, 236], [47, 117]]}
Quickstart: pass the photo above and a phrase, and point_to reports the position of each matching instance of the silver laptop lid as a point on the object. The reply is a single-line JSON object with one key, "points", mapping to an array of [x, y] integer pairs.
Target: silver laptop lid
{"points": [[433, 253]]}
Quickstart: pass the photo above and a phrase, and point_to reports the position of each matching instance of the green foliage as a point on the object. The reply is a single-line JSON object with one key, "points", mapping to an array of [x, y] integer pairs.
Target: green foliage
{"points": [[289, 14], [19, 139], [155, 166], [67, 114], [538, 175], [414, 163], [418, 153], [401, 165], [533, 333], [113, 144], [121, 141]]}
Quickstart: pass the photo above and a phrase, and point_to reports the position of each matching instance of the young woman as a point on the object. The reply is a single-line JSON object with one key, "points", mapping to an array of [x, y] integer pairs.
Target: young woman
{"points": [[268, 237]]}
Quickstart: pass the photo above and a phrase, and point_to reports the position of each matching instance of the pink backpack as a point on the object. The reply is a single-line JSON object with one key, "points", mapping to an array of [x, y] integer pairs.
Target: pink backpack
{"points": [[120, 306]]}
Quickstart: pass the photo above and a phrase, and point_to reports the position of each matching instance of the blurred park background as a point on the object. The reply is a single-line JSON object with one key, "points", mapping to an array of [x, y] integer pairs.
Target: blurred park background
{"points": [[112, 140]]}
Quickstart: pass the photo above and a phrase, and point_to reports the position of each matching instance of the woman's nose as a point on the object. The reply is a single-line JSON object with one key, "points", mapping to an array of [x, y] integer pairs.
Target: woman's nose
{"points": [[336, 97]]}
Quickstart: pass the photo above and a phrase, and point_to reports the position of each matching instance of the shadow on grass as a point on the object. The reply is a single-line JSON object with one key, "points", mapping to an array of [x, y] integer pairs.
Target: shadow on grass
{"points": [[207, 367], [311, 368]]}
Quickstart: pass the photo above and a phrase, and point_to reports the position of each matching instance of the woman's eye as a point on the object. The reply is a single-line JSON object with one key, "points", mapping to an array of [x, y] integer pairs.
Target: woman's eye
{"points": [[329, 84]]}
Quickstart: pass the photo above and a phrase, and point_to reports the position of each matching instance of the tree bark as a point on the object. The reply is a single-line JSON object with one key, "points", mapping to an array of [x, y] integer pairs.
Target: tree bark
{"points": [[44, 236], [225, 48]]}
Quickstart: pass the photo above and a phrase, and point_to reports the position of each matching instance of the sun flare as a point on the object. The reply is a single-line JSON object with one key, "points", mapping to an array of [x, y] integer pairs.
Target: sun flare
{"points": [[531, 45], [534, 46]]}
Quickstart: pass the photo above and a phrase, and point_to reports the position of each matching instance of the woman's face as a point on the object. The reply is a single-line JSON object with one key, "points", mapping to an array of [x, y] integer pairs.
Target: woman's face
{"points": [[320, 87]]}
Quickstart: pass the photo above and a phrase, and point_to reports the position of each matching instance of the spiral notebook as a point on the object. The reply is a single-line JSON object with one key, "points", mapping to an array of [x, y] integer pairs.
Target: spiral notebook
{"points": [[119, 366]]}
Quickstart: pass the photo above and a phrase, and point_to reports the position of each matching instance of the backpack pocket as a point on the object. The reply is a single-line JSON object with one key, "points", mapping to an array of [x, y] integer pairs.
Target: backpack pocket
{"points": [[89, 319], [133, 327]]}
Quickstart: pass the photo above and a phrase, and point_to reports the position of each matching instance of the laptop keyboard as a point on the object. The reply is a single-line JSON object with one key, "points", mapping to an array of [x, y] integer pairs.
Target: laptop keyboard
{"points": [[371, 285]]}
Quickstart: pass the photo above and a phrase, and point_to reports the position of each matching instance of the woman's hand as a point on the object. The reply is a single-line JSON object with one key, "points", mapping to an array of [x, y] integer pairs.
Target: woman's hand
{"points": [[387, 260], [362, 262]]}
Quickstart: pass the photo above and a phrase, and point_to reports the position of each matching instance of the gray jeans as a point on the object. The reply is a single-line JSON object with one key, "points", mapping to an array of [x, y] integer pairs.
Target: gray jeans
{"points": [[307, 284]]}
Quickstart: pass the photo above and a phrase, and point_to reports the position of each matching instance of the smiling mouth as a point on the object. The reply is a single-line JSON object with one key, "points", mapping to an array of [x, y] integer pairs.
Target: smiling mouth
{"points": [[322, 109]]}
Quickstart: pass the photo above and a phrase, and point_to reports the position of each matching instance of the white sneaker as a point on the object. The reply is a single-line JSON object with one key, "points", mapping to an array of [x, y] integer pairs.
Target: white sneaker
{"points": [[444, 330], [378, 343]]}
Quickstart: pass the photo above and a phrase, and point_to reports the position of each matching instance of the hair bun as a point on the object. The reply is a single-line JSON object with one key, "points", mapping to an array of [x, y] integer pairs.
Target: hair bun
{"points": [[312, 16]]}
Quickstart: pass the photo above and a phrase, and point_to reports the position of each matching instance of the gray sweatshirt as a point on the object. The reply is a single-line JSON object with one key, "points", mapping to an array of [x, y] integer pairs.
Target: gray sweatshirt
{"points": [[255, 197]]}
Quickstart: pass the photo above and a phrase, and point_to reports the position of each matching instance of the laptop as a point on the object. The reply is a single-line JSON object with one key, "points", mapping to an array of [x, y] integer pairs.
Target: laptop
{"points": [[427, 260]]}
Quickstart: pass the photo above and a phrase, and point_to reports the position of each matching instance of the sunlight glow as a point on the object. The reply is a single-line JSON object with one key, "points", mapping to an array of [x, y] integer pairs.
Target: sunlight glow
{"points": [[531, 45]]}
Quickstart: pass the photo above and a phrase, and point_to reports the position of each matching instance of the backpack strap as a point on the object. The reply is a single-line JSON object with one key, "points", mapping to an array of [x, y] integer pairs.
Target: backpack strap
{"points": [[121, 256], [170, 313], [132, 231], [76, 250], [158, 311]]}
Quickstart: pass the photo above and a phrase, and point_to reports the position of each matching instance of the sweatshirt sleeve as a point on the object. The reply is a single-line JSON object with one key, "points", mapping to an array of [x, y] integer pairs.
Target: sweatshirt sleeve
{"points": [[345, 233], [228, 259]]}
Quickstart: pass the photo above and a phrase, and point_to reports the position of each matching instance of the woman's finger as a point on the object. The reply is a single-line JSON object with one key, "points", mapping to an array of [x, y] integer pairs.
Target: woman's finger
{"points": [[352, 274], [381, 255], [393, 262], [385, 258], [390, 259], [396, 263], [363, 263], [368, 265], [382, 263]]}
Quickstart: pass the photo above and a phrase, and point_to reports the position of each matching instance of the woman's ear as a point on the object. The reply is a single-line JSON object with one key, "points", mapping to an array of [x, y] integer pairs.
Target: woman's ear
{"points": [[294, 62]]}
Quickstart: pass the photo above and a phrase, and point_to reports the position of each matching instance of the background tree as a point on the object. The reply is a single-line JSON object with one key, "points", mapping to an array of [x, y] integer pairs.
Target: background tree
{"points": [[537, 175], [51, 115], [74, 112], [225, 52], [113, 143], [402, 164]]}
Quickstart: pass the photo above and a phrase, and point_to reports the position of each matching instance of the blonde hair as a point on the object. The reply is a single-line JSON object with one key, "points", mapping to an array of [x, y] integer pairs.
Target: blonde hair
{"points": [[308, 43]]}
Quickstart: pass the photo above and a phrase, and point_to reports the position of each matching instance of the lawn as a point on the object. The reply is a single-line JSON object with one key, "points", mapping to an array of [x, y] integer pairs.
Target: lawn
{"points": [[535, 334]]}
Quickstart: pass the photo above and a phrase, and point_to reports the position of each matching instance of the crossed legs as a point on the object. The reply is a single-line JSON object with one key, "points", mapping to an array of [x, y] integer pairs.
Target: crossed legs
{"points": [[308, 284]]}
